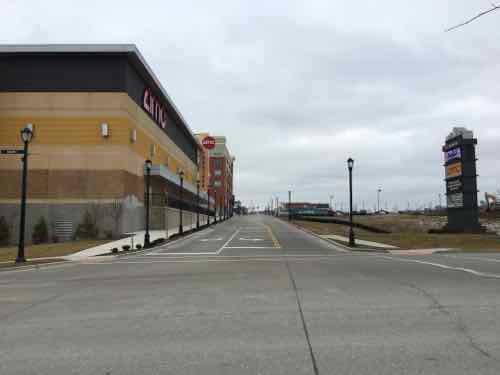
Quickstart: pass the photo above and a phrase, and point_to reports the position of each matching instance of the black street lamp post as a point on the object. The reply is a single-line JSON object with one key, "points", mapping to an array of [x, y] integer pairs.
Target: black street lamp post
{"points": [[208, 206], [181, 176], [350, 164], [148, 164], [197, 204], [289, 205], [226, 206], [26, 135], [215, 206]]}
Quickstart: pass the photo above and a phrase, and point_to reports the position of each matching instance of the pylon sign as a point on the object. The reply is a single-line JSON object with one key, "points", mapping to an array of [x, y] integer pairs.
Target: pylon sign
{"points": [[461, 182]]}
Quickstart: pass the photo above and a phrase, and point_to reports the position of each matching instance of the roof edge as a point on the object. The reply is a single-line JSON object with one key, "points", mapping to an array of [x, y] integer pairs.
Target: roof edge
{"points": [[98, 48]]}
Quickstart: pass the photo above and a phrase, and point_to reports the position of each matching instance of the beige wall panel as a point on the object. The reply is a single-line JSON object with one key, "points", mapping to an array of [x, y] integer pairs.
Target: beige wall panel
{"points": [[71, 184], [83, 113]]}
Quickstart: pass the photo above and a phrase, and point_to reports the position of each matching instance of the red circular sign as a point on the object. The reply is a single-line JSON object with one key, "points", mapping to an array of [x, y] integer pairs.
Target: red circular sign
{"points": [[208, 142]]}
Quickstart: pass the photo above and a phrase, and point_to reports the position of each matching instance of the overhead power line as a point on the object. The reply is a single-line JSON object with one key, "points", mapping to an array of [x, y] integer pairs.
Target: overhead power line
{"points": [[494, 7]]}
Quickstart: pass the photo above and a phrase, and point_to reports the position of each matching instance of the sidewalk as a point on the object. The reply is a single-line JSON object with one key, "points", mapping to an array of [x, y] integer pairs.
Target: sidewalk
{"points": [[134, 239], [378, 245]]}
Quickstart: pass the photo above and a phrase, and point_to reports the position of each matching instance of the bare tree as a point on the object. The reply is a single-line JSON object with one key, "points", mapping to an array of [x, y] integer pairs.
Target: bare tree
{"points": [[13, 222], [115, 211], [95, 209], [494, 7]]}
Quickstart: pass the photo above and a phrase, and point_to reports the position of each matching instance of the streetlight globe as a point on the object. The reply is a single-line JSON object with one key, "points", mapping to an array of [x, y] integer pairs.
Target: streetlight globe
{"points": [[26, 134], [350, 163]]}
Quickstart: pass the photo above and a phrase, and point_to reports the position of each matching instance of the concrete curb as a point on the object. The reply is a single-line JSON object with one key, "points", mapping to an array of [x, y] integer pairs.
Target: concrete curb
{"points": [[341, 245], [27, 267]]}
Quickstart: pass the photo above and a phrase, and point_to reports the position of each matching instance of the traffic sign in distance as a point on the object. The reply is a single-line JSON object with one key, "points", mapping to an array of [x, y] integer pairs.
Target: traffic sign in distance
{"points": [[11, 152], [208, 142]]}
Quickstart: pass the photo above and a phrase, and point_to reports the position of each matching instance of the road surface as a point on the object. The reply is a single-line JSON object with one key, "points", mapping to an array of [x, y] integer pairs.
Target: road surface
{"points": [[254, 295]]}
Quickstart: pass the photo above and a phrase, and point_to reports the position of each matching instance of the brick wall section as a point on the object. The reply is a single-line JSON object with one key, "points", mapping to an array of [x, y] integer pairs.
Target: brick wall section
{"points": [[72, 184]]}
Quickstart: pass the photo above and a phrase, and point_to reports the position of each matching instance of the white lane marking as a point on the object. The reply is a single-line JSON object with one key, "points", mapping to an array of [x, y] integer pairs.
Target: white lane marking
{"points": [[175, 242], [173, 254], [472, 258], [252, 247], [444, 266], [250, 239], [272, 255], [210, 239], [229, 240], [223, 259]]}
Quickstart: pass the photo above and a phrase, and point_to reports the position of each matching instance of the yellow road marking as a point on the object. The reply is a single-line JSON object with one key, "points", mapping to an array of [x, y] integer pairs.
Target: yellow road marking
{"points": [[276, 243]]}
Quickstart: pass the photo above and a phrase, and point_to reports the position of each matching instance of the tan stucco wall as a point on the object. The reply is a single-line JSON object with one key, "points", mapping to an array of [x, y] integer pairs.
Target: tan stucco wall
{"points": [[68, 133]]}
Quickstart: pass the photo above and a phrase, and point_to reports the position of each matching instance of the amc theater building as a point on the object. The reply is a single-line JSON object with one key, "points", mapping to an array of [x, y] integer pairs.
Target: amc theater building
{"points": [[98, 112]]}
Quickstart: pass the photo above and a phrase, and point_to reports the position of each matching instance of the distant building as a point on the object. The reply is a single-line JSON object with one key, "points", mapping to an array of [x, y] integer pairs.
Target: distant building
{"points": [[308, 209], [203, 163], [221, 176]]}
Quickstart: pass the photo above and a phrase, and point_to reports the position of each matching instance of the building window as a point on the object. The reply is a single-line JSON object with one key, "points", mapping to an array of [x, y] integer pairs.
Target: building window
{"points": [[217, 172], [217, 163], [217, 183]]}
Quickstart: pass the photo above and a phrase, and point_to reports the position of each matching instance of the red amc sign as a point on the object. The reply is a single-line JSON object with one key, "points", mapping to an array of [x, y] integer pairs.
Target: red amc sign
{"points": [[153, 106], [208, 142]]}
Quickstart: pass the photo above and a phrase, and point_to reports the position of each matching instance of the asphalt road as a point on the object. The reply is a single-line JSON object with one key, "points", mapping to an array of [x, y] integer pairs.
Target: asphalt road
{"points": [[254, 296]]}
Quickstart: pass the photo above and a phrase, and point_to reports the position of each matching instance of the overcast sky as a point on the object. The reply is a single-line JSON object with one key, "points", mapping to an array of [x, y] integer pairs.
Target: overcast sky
{"points": [[299, 86]]}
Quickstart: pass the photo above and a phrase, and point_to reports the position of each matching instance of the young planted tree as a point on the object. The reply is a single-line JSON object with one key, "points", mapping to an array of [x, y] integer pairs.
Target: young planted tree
{"points": [[115, 212], [40, 231], [4, 231], [87, 228]]}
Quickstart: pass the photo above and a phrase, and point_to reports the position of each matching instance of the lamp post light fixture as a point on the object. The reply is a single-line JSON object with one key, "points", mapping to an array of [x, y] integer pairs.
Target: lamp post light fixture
{"points": [[197, 203], [181, 177], [350, 165], [26, 136], [148, 164]]}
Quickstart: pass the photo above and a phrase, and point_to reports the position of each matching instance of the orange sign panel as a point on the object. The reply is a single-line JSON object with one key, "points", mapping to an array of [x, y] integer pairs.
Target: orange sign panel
{"points": [[454, 170]]}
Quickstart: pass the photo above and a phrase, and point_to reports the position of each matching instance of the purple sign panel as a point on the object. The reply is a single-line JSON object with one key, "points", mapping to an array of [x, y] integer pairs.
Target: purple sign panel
{"points": [[454, 153]]}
